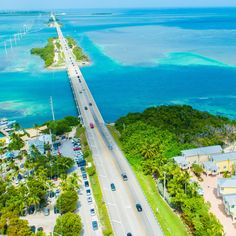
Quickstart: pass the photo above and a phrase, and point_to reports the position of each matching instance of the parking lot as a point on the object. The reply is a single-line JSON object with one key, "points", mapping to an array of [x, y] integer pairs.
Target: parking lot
{"points": [[87, 206]]}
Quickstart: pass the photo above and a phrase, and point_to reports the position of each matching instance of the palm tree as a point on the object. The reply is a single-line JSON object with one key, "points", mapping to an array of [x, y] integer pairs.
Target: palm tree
{"points": [[148, 149], [33, 200]]}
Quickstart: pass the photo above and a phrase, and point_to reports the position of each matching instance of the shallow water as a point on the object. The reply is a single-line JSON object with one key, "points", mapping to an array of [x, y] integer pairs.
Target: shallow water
{"points": [[140, 58]]}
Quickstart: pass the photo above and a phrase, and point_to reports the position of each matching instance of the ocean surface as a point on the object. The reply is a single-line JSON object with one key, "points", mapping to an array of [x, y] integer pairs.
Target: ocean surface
{"points": [[140, 58]]}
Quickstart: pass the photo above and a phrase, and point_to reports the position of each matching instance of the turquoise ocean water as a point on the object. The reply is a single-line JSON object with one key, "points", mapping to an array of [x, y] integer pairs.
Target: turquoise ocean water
{"points": [[140, 58]]}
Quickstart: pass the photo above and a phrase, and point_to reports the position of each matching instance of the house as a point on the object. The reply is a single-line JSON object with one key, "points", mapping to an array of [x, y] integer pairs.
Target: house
{"points": [[210, 168], [200, 155], [181, 162], [226, 186], [39, 142], [224, 161], [230, 205]]}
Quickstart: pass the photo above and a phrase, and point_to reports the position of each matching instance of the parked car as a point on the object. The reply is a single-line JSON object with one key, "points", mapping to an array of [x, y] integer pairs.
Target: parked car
{"points": [[40, 229], [113, 187], [92, 212], [33, 228], [86, 184], [95, 225], [88, 192], [81, 163], [51, 194], [77, 148], [124, 176], [90, 200], [31, 210], [56, 210], [129, 234], [139, 207], [46, 211], [84, 176], [82, 169]]}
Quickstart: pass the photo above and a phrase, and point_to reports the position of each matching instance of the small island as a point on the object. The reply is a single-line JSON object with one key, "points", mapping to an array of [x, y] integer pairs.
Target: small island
{"points": [[54, 57]]}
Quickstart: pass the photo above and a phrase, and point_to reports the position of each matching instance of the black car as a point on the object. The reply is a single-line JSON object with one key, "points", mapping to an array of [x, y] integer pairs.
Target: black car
{"points": [[51, 194], [31, 210], [40, 229], [129, 234], [139, 207], [86, 184], [90, 104], [56, 210], [124, 176], [85, 108]]}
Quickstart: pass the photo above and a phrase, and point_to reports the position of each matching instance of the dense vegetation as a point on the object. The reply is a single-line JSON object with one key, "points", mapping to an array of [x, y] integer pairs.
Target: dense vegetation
{"points": [[59, 127], [78, 52], [151, 138], [46, 53], [189, 126]]}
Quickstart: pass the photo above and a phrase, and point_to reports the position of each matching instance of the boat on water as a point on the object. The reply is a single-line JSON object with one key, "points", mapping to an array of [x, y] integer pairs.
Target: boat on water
{"points": [[6, 124]]}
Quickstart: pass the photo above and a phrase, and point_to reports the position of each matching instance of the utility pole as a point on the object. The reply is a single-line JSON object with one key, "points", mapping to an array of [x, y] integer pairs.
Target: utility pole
{"points": [[52, 108], [164, 194], [5, 47], [15, 38], [10, 43]]}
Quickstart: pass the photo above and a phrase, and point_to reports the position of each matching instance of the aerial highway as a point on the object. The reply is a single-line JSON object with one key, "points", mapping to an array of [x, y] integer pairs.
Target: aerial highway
{"points": [[109, 160]]}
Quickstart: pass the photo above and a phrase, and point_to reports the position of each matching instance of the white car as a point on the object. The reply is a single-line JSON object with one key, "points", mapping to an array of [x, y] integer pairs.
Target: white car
{"points": [[90, 200], [92, 212]]}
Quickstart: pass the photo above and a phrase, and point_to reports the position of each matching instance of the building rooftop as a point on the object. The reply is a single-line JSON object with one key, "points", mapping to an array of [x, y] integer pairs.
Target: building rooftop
{"points": [[227, 182], [202, 151], [181, 161], [224, 156], [230, 199], [210, 166]]}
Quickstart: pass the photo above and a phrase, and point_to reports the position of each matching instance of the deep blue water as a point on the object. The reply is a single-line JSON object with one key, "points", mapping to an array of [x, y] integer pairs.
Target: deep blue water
{"points": [[125, 47]]}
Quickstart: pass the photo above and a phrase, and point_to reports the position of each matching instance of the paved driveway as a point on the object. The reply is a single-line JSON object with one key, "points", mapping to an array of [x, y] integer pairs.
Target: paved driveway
{"points": [[209, 186]]}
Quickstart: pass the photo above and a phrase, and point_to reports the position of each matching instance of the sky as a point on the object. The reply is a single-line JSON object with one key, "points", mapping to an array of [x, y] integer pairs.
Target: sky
{"points": [[62, 4]]}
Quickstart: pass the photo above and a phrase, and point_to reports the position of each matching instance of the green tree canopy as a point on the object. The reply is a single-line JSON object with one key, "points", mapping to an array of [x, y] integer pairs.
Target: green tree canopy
{"points": [[67, 201], [68, 224]]}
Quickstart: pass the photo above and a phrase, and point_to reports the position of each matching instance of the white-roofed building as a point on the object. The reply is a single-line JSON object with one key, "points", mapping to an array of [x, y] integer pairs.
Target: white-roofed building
{"points": [[230, 205], [202, 154], [39, 142], [226, 186], [182, 162]]}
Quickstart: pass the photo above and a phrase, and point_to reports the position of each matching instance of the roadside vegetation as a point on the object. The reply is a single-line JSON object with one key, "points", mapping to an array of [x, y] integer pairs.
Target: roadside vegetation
{"points": [[59, 127], [95, 185], [150, 140], [78, 52], [46, 53]]}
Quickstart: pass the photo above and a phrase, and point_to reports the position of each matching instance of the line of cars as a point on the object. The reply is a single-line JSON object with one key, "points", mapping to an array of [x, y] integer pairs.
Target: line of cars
{"points": [[79, 156], [89, 197], [79, 159]]}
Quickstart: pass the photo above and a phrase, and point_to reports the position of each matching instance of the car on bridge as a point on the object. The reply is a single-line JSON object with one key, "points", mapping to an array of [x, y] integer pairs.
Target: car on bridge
{"points": [[113, 187], [139, 207]]}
